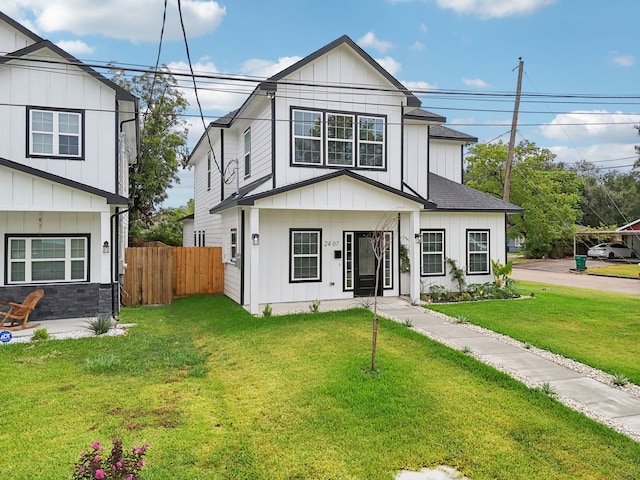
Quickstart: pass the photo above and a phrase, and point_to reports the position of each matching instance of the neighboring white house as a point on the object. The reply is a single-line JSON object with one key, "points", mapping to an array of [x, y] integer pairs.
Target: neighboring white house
{"points": [[292, 184], [67, 135]]}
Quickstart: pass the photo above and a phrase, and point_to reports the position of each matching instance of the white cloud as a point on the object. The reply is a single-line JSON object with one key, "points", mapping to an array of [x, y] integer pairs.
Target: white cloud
{"points": [[266, 68], [136, 21], [369, 40], [495, 8], [419, 86], [423, 28], [475, 83], [75, 47], [418, 46], [592, 127], [603, 155], [621, 60], [390, 65]]}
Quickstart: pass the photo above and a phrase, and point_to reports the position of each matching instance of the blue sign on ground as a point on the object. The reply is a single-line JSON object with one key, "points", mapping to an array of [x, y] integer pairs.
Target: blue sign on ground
{"points": [[5, 336]]}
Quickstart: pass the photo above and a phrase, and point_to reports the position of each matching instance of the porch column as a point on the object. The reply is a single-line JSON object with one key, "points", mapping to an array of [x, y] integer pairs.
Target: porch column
{"points": [[414, 255], [254, 261]]}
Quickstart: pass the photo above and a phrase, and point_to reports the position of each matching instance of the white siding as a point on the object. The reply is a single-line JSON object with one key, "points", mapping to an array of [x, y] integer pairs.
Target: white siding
{"points": [[416, 158], [12, 40], [446, 159], [60, 88]]}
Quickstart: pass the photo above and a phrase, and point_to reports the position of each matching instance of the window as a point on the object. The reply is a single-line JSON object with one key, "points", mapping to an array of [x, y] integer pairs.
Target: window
{"points": [[305, 255], [307, 131], [234, 244], [387, 264], [247, 153], [432, 252], [340, 140], [55, 134], [339, 144], [477, 251], [47, 259], [348, 261], [371, 145]]}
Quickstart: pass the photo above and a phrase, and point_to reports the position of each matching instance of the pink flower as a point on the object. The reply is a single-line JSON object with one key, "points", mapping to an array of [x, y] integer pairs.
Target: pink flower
{"points": [[119, 464], [96, 445], [130, 476], [100, 474], [81, 470], [138, 450], [97, 459], [140, 464]]}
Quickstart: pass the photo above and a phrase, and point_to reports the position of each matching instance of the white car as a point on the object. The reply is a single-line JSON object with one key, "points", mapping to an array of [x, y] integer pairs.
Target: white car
{"points": [[611, 250]]}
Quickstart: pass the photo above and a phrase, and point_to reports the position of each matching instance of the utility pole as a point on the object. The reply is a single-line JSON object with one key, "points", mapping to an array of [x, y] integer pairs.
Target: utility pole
{"points": [[512, 138]]}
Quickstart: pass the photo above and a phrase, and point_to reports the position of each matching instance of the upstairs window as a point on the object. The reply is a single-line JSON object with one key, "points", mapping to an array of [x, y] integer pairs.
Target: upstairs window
{"points": [[247, 153], [334, 139], [234, 244], [307, 133], [55, 133]]}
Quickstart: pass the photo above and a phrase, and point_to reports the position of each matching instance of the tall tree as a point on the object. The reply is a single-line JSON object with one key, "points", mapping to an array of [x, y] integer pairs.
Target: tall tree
{"points": [[163, 138], [548, 193]]}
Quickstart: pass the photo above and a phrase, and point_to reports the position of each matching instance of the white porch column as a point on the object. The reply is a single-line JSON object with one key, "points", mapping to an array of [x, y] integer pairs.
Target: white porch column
{"points": [[254, 261], [414, 255], [105, 258]]}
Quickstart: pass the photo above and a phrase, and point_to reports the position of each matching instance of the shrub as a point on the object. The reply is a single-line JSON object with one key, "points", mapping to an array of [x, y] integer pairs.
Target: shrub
{"points": [[100, 324], [40, 334], [314, 307], [119, 465], [268, 311]]}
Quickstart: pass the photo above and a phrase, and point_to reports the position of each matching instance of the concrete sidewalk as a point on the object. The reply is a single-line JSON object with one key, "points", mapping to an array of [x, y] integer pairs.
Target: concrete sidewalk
{"points": [[603, 402]]}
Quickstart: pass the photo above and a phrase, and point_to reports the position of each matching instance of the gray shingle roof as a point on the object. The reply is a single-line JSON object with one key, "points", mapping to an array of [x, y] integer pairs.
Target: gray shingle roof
{"points": [[420, 114], [452, 196], [446, 133]]}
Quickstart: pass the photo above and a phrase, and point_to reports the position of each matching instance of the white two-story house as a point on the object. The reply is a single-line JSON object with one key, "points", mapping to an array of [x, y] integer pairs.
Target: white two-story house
{"points": [[320, 155], [67, 135]]}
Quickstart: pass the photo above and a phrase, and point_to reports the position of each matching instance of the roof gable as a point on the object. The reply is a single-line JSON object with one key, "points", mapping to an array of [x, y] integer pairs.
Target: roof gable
{"points": [[24, 31], [452, 196], [111, 198]]}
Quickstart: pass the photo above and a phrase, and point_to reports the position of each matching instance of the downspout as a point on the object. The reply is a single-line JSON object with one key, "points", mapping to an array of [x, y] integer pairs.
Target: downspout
{"points": [[399, 258], [242, 255], [402, 151], [222, 164], [273, 140], [115, 259]]}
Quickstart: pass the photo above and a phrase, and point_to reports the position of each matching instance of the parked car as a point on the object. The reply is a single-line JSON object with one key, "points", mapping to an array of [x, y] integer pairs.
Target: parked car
{"points": [[611, 250]]}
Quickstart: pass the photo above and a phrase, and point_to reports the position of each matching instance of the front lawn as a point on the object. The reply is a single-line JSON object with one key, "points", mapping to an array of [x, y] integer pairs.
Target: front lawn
{"points": [[222, 395], [629, 270], [598, 328]]}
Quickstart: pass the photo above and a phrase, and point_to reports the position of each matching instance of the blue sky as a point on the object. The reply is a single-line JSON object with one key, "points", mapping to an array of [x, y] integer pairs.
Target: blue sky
{"points": [[455, 49]]}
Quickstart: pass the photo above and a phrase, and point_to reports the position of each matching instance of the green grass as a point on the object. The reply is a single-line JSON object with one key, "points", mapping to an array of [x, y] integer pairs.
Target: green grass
{"points": [[630, 270], [598, 328], [222, 395]]}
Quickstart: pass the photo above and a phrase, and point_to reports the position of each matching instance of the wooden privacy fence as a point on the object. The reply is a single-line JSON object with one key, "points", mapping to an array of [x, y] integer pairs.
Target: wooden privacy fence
{"points": [[155, 275]]}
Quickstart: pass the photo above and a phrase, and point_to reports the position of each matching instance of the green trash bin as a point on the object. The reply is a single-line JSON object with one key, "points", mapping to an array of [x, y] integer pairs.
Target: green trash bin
{"points": [[581, 262]]}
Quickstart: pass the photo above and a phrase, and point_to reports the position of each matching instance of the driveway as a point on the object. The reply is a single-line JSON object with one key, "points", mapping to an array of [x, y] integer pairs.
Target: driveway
{"points": [[562, 272]]}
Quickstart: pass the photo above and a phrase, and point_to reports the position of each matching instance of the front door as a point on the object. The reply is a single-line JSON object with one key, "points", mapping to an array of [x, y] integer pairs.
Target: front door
{"points": [[364, 267]]}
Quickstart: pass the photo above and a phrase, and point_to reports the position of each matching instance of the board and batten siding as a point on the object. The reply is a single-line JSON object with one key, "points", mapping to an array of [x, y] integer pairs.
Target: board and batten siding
{"points": [[446, 159], [455, 226], [275, 228], [63, 223], [227, 221], [340, 66], [62, 88]]}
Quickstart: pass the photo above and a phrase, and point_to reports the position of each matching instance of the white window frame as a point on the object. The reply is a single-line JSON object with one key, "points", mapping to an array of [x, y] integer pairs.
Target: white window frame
{"points": [[365, 142], [348, 261], [247, 152], [56, 133], [30, 258], [340, 142], [233, 242], [387, 261], [473, 250], [293, 256], [312, 138], [424, 253]]}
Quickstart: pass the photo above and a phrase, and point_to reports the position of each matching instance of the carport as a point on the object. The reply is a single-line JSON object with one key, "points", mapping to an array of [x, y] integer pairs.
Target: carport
{"points": [[626, 234]]}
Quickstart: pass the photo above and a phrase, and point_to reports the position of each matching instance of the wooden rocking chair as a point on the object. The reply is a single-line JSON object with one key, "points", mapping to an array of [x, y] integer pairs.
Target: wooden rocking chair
{"points": [[18, 313]]}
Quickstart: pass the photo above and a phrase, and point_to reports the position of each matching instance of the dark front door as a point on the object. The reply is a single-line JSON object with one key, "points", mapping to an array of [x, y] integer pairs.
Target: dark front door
{"points": [[365, 267]]}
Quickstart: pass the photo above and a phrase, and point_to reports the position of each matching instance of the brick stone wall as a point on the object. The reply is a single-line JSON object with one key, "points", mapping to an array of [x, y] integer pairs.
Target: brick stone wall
{"points": [[63, 300]]}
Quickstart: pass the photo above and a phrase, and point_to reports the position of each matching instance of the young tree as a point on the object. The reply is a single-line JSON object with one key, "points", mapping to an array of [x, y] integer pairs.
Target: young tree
{"points": [[163, 138], [378, 239], [548, 193]]}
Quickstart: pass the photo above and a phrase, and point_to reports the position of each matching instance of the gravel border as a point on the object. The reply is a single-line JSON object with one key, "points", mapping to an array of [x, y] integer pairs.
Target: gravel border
{"points": [[581, 368]]}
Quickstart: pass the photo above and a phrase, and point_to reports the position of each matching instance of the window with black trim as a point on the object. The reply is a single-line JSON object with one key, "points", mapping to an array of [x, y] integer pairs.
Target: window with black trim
{"points": [[305, 255], [337, 139], [47, 259], [477, 251], [247, 152], [432, 252], [54, 133]]}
